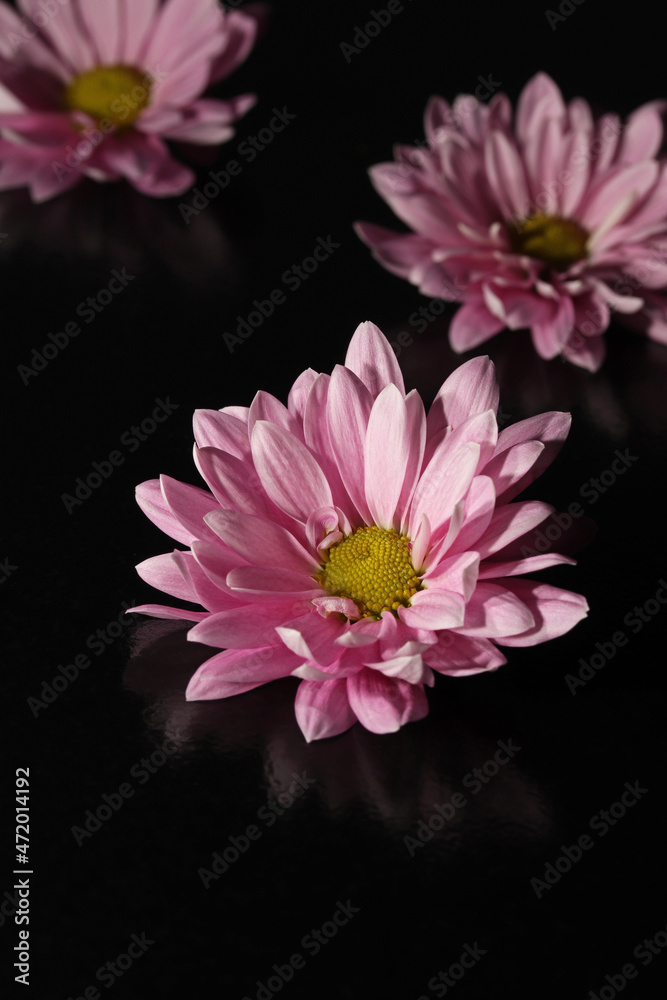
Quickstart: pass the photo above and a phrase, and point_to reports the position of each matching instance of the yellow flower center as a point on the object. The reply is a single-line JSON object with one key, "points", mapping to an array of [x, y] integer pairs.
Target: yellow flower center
{"points": [[115, 93], [558, 242], [373, 567]]}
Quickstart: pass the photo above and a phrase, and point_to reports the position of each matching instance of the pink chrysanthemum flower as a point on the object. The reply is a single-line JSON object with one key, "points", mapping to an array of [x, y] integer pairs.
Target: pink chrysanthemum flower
{"points": [[550, 223], [353, 541], [94, 87]]}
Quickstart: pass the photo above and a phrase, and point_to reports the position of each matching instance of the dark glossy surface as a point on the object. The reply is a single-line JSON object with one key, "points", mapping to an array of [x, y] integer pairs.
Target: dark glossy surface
{"points": [[232, 764]]}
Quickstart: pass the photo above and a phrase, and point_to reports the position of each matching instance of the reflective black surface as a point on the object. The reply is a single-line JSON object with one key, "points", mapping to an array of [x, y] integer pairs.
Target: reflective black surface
{"points": [[208, 869]]}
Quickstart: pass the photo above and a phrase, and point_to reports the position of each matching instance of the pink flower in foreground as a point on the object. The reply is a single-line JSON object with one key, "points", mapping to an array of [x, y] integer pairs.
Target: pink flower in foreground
{"points": [[353, 541], [94, 87], [550, 223]]}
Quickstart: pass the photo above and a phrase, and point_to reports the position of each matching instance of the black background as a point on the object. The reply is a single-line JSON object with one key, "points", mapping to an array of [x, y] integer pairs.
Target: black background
{"points": [[162, 337]]}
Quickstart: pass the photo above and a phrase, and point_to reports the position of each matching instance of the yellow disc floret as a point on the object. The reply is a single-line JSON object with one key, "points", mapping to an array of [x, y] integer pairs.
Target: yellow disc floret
{"points": [[117, 94], [373, 567], [557, 241]]}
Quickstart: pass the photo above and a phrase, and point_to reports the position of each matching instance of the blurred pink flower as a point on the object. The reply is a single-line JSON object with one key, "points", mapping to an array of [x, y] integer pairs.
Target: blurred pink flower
{"points": [[353, 541], [93, 89], [550, 223]]}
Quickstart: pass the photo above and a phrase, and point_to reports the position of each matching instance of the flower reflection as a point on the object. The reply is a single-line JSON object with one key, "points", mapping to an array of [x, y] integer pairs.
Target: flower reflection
{"points": [[400, 781], [105, 226]]}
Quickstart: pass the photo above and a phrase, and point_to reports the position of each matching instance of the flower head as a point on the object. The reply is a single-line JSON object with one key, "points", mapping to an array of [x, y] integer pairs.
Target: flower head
{"points": [[93, 89], [549, 223], [356, 542]]}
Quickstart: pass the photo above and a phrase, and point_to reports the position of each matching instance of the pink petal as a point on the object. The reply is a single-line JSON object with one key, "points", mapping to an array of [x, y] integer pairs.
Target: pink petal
{"points": [[495, 611], [556, 611], [209, 595], [480, 505], [387, 449], [235, 671], [506, 176], [103, 24], [271, 582], [434, 609], [298, 394], [261, 541], [289, 473], [323, 709], [457, 573], [408, 667], [510, 522], [151, 500], [371, 358], [243, 627], [416, 422], [472, 388], [240, 31], [215, 429], [642, 136], [145, 161], [189, 504], [635, 180], [400, 253], [163, 611], [383, 705], [317, 437], [442, 485], [312, 638], [550, 428], [472, 325], [207, 121], [511, 465], [459, 656], [490, 570], [266, 407], [138, 19], [481, 429], [163, 573], [236, 485], [349, 405], [216, 562], [539, 98]]}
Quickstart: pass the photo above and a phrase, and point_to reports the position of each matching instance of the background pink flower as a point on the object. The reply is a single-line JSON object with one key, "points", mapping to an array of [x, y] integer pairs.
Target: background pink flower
{"points": [[94, 88], [551, 222], [356, 542]]}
